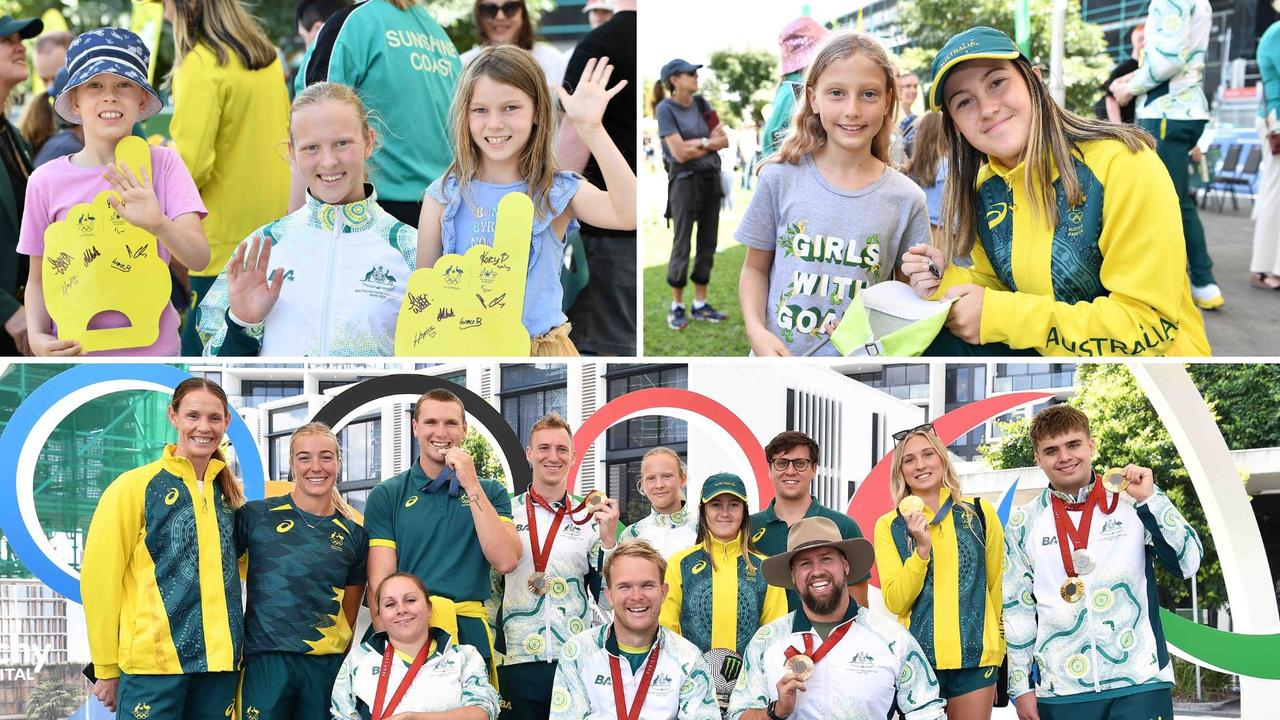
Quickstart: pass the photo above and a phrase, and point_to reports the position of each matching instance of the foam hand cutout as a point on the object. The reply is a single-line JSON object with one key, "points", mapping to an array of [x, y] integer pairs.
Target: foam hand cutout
{"points": [[471, 304], [96, 262]]}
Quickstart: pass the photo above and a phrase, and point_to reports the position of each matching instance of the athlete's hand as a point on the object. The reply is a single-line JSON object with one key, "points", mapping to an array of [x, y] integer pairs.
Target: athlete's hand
{"points": [[965, 318], [915, 265], [607, 514], [918, 526], [251, 296], [1026, 706], [105, 691], [788, 685], [464, 467], [1142, 482]]}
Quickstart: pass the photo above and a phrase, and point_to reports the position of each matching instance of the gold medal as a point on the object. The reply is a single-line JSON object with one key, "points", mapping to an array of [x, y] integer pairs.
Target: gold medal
{"points": [[801, 665], [1115, 481], [1072, 589], [910, 504], [538, 583], [594, 498]]}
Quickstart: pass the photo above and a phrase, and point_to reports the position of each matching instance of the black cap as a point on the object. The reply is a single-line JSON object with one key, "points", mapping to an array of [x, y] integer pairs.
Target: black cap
{"points": [[26, 27], [677, 66]]}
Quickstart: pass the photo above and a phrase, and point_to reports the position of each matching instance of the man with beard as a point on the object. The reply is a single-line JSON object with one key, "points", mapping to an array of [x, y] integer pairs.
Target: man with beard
{"points": [[1080, 596], [563, 542], [793, 464], [832, 658], [442, 523], [633, 668]]}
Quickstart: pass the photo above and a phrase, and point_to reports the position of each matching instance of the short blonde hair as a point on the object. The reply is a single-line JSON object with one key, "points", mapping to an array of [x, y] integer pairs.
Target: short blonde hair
{"points": [[550, 421], [637, 548]]}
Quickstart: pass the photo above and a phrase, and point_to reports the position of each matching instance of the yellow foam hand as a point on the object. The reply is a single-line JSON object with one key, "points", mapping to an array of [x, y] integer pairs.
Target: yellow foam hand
{"points": [[96, 262], [471, 304]]}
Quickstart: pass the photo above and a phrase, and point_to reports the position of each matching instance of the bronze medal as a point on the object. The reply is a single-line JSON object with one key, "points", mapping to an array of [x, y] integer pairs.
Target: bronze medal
{"points": [[538, 583], [801, 665], [1115, 481], [1072, 589], [594, 498]]}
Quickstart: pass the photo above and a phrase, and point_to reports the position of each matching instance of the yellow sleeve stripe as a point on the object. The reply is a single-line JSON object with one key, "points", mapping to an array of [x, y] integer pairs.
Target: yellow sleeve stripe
{"points": [[506, 519], [382, 543]]}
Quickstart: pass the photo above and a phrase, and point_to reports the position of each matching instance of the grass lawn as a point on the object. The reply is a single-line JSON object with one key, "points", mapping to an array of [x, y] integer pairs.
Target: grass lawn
{"points": [[728, 338]]}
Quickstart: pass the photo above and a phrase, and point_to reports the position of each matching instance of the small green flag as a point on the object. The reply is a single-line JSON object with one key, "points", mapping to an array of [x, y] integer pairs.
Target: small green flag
{"points": [[1022, 26]]}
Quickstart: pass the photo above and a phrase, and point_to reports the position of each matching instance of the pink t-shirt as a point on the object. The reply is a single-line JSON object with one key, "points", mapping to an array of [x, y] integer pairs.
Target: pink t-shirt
{"points": [[55, 187]]}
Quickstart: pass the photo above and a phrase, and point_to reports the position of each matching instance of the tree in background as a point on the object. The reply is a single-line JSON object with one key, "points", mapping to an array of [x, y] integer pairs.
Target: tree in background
{"points": [[1245, 402], [747, 77], [53, 700], [928, 24], [482, 454]]}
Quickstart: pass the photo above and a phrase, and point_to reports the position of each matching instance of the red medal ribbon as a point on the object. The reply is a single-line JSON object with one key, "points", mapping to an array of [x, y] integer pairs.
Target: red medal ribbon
{"points": [[1078, 537], [542, 554], [823, 649], [385, 677], [620, 697]]}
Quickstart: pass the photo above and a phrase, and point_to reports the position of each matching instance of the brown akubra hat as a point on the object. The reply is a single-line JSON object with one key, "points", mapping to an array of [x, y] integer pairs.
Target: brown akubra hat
{"points": [[814, 532]]}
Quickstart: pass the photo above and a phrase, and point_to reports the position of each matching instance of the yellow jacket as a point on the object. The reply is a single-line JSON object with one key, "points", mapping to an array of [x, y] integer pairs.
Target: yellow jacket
{"points": [[155, 528], [954, 612], [722, 605], [230, 125], [1110, 279]]}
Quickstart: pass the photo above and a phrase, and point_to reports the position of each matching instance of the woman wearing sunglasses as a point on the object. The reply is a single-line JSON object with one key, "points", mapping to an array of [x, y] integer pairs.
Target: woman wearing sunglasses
{"points": [[940, 558], [507, 22]]}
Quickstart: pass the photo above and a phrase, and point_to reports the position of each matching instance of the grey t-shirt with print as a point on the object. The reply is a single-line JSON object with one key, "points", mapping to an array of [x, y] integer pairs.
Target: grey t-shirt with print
{"points": [[688, 123], [827, 243]]}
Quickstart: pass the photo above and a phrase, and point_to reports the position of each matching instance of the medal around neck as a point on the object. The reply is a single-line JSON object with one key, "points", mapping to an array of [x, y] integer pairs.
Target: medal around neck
{"points": [[1083, 561], [1115, 481], [910, 504], [1072, 589], [96, 262], [538, 583], [470, 305], [802, 665]]}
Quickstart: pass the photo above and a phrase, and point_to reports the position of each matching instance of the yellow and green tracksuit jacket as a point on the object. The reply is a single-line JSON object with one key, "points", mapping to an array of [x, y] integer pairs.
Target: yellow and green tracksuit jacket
{"points": [[720, 606], [229, 124], [1110, 279], [951, 602], [160, 581]]}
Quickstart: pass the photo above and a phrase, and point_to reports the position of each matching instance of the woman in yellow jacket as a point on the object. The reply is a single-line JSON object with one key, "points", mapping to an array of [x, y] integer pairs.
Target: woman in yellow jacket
{"points": [[230, 123], [717, 595], [159, 580], [940, 559], [1072, 224]]}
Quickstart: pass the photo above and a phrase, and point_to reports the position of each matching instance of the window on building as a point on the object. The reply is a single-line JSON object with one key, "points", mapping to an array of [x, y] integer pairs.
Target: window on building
{"points": [[628, 441], [1012, 377], [966, 384], [529, 392], [256, 392], [905, 382], [281, 422], [361, 443]]}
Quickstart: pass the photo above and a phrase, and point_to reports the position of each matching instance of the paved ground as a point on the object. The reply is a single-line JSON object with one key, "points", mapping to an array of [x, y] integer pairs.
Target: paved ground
{"points": [[1246, 325]]}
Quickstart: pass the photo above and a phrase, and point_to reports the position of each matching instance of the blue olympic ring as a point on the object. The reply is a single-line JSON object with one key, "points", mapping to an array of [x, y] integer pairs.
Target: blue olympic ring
{"points": [[40, 401]]}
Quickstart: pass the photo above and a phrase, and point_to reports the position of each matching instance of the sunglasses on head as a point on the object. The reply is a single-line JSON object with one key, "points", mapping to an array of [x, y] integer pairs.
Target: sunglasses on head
{"points": [[508, 9], [902, 434]]}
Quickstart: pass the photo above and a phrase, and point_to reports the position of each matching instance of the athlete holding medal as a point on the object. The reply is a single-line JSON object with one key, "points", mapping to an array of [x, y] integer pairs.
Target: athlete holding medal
{"points": [[940, 558], [1079, 588], [831, 658], [412, 671], [545, 599], [632, 668]]}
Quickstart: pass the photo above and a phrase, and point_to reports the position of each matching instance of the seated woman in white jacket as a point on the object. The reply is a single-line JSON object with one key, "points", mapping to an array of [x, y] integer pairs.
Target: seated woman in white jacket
{"points": [[328, 278], [412, 670]]}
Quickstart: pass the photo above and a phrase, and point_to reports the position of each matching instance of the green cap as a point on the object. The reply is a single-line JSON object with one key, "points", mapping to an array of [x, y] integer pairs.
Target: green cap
{"points": [[26, 28], [972, 44], [722, 483]]}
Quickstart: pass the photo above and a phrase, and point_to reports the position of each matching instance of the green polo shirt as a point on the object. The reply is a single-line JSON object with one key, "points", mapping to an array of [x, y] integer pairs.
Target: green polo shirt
{"points": [[769, 533], [433, 534]]}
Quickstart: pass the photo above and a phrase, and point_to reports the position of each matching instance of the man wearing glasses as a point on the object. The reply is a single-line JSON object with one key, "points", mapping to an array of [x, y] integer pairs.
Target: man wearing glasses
{"points": [[793, 463]]}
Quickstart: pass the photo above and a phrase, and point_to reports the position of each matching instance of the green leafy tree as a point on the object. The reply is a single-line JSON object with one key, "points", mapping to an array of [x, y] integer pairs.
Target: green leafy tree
{"points": [[1245, 401], [53, 700], [748, 78], [482, 454], [930, 22]]}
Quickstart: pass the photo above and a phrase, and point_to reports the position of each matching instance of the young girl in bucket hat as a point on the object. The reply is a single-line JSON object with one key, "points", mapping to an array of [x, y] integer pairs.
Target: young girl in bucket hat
{"points": [[107, 93], [1071, 223]]}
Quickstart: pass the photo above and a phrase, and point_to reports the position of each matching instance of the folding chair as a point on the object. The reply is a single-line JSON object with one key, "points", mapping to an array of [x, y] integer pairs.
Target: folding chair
{"points": [[1244, 178], [1230, 160]]}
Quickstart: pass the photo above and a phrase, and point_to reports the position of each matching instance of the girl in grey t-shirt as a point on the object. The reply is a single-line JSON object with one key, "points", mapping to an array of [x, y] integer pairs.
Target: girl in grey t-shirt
{"points": [[830, 216]]}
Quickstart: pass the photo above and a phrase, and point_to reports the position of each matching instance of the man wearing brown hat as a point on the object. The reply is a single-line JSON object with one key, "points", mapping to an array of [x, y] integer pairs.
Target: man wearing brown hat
{"points": [[831, 658]]}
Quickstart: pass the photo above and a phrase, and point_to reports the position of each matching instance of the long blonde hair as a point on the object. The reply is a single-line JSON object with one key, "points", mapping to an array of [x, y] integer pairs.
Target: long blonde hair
{"points": [[1055, 137], [230, 487], [899, 489], [222, 25], [319, 428], [807, 134], [509, 65]]}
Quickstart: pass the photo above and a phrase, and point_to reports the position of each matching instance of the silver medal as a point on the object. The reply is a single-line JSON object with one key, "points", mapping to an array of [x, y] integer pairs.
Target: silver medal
{"points": [[1083, 561]]}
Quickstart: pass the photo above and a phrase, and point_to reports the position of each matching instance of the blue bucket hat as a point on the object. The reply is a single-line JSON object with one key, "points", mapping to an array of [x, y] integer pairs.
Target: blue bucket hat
{"points": [[107, 50], [975, 43]]}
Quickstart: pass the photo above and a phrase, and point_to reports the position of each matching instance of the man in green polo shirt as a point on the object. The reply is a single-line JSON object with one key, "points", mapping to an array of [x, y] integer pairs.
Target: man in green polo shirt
{"points": [[439, 521], [793, 463]]}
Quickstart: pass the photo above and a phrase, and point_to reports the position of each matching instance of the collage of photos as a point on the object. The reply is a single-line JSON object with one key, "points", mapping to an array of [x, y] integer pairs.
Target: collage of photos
{"points": [[572, 360]]}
